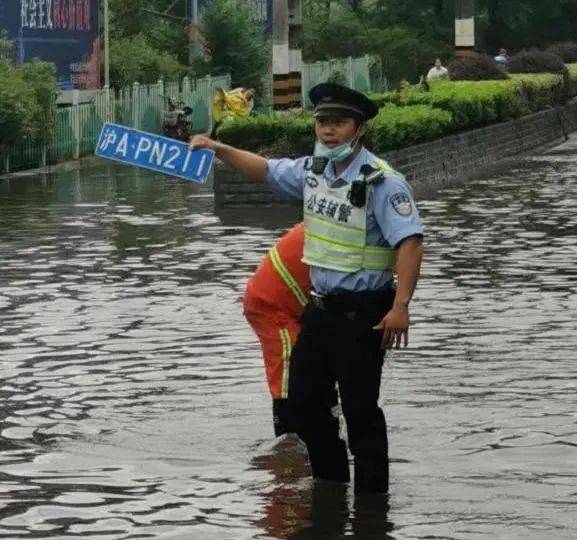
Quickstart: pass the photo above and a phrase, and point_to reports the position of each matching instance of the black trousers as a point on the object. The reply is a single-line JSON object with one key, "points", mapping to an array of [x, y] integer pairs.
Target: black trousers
{"points": [[337, 346]]}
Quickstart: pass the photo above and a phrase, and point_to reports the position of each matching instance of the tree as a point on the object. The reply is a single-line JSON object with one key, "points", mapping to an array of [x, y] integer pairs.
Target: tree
{"points": [[18, 106], [133, 59], [235, 43], [6, 47], [400, 36]]}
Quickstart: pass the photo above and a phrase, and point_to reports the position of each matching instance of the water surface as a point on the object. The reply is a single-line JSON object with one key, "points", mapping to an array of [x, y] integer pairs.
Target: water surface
{"points": [[132, 392]]}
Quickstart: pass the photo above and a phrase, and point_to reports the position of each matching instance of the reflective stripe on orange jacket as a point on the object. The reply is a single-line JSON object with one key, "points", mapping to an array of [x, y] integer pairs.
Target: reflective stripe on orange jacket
{"points": [[274, 300], [282, 279]]}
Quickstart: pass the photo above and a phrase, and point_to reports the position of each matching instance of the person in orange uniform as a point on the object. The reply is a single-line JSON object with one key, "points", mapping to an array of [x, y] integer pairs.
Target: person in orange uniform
{"points": [[274, 301]]}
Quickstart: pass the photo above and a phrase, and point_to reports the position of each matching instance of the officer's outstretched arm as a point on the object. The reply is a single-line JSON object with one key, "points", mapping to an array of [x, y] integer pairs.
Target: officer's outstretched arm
{"points": [[251, 165], [395, 324]]}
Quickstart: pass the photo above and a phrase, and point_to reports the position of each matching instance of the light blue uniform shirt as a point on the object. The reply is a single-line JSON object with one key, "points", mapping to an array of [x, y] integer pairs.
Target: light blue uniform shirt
{"points": [[388, 219]]}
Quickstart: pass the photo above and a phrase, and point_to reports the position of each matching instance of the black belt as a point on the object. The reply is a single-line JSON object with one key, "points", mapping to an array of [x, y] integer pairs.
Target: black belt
{"points": [[347, 302]]}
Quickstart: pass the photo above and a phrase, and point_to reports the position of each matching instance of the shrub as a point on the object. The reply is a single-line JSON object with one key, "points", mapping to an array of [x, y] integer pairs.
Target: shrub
{"points": [[479, 67], [18, 105], [7, 53], [536, 61], [395, 127], [566, 50], [41, 77], [572, 70], [337, 77], [272, 134], [541, 90], [472, 104], [385, 98], [411, 115], [284, 135]]}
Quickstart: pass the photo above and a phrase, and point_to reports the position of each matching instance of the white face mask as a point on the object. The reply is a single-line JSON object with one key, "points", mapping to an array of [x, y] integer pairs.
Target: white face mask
{"points": [[338, 153]]}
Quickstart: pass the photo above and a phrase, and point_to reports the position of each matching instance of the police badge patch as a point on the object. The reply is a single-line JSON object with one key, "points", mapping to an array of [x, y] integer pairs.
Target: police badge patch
{"points": [[402, 204], [312, 181]]}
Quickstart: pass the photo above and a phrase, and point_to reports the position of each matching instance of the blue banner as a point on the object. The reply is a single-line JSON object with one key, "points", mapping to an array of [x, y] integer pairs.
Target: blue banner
{"points": [[149, 151]]}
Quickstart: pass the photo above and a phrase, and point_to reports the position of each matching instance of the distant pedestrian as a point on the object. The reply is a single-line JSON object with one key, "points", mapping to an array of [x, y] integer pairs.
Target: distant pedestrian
{"points": [[502, 58], [235, 103], [438, 71]]}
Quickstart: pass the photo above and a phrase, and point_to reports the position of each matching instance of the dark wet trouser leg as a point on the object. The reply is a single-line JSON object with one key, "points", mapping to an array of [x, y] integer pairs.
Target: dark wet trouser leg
{"points": [[311, 398], [329, 513], [281, 417], [359, 362]]}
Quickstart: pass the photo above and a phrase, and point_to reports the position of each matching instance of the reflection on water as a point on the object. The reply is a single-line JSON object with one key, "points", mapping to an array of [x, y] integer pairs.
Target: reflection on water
{"points": [[133, 400]]}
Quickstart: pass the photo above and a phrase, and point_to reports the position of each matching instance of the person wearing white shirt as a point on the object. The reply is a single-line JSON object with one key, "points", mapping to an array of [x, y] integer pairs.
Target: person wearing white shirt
{"points": [[438, 71]]}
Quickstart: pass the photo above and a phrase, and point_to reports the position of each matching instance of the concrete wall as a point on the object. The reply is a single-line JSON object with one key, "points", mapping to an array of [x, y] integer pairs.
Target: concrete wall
{"points": [[457, 157]]}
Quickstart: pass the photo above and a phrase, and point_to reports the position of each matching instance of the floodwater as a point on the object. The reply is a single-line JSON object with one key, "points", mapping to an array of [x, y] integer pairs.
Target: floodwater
{"points": [[132, 397]]}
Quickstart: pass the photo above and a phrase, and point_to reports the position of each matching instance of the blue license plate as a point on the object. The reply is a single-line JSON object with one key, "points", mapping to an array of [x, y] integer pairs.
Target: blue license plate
{"points": [[149, 151]]}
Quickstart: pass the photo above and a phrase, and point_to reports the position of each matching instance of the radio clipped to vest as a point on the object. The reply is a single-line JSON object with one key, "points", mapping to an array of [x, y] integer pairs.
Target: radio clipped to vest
{"points": [[368, 176], [319, 164]]}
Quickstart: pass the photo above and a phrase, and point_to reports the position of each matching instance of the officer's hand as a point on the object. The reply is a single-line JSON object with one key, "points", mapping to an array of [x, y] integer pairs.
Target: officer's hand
{"points": [[395, 327], [198, 142]]}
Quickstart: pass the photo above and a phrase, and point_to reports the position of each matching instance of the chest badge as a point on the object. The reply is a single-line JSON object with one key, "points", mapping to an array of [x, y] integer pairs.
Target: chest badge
{"points": [[312, 181]]}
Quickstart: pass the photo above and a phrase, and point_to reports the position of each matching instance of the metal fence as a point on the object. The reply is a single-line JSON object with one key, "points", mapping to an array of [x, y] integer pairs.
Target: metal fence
{"points": [[139, 106], [363, 74]]}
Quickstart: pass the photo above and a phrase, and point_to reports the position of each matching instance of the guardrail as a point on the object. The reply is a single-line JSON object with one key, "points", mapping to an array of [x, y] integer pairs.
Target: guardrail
{"points": [[139, 106]]}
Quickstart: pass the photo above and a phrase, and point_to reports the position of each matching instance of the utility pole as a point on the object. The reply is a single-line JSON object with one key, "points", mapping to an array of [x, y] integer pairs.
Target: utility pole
{"points": [[194, 47], [106, 46], [107, 59]]}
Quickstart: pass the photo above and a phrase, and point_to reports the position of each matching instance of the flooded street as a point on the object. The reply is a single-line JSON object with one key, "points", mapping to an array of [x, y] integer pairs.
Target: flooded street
{"points": [[132, 394]]}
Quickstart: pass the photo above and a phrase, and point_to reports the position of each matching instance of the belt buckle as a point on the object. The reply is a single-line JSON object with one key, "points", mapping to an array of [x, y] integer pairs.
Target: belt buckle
{"points": [[317, 300]]}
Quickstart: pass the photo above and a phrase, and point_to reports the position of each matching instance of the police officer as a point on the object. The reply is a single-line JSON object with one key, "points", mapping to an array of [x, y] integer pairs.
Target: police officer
{"points": [[361, 223]]}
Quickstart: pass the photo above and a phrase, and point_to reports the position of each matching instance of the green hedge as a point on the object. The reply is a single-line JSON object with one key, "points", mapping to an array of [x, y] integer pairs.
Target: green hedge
{"points": [[541, 91], [572, 69], [412, 115], [271, 134], [479, 103], [396, 127]]}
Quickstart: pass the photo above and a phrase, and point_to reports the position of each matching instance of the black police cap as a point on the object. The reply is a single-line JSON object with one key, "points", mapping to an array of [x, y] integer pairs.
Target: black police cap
{"points": [[332, 99]]}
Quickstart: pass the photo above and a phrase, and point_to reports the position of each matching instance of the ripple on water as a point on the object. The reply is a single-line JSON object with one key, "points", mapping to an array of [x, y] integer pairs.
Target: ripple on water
{"points": [[133, 396]]}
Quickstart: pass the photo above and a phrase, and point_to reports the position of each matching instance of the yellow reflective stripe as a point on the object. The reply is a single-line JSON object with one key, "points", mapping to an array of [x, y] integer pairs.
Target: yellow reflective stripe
{"points": [[330, 229], [287, 277], [328, 240], [286, 353], [311, 217], [374, 260], [326, 253], [366, 250]]}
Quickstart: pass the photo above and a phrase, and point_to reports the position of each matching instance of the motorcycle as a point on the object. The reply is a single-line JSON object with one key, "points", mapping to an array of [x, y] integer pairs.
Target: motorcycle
{"points": [[176, 123]]}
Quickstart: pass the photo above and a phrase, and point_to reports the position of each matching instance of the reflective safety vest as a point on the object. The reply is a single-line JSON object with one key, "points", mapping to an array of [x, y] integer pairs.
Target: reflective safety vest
{"points": [[336, 230]]}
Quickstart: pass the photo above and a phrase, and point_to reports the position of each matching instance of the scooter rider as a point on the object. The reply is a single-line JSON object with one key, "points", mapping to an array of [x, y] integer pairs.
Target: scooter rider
{"points": [[361, 222]]}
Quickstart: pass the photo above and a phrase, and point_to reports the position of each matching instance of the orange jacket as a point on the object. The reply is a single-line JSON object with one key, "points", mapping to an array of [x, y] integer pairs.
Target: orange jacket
{"points": [[282, 281]]}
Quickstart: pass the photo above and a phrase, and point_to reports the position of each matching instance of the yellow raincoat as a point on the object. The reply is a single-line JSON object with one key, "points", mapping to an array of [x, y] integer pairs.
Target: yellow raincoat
{"points": [[231, 104]]}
